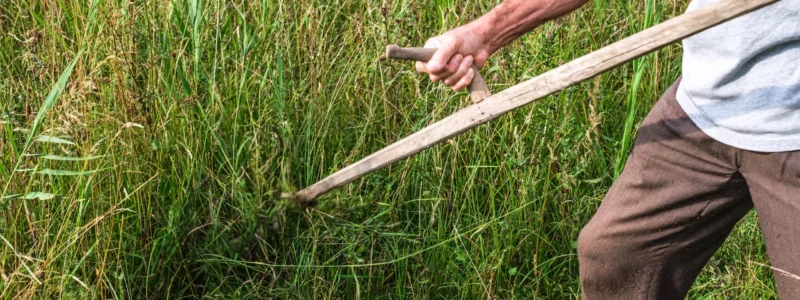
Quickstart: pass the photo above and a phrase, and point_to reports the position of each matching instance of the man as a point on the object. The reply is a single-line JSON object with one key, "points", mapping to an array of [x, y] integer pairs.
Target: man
{"points": [[723, 139]]}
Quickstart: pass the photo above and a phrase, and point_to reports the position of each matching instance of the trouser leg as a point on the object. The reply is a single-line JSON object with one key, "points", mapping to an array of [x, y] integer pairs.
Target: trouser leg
{"points": [[774, 181], [676, 201]]}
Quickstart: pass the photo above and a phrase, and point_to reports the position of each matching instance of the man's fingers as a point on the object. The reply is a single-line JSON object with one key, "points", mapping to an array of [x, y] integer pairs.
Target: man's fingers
{"points": [[462, 69], [452, 66], [464, 81], [423, 67], [440, 59], [420, 67], [448, 70]]}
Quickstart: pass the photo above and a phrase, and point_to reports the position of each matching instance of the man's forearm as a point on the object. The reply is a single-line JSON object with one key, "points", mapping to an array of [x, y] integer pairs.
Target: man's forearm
{"points": [[474, 42], [513, 18]]}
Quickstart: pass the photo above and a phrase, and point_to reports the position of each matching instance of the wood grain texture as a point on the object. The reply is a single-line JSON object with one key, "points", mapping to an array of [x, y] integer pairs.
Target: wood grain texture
{"points": [[477, 88], [545, 84]]}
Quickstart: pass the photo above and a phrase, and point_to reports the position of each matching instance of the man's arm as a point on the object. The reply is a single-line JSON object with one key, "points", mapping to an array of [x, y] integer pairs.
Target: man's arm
{"points": [[476, 41]]}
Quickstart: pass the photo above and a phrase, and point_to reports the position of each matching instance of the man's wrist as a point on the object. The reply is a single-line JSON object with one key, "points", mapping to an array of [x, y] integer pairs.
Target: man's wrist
{"points": [[504, 23], [483, 29], [513, 18]]}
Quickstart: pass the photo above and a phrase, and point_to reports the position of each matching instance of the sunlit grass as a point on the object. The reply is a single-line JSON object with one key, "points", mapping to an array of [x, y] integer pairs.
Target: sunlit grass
{"points": [[183, 122]]}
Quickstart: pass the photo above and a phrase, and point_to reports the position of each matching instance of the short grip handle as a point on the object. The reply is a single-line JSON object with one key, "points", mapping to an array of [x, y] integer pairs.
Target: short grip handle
{"points": [[477, 88]]}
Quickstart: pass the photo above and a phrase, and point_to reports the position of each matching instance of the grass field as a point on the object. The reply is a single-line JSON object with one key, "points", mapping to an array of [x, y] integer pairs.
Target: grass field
{"points": [[145, 144]]}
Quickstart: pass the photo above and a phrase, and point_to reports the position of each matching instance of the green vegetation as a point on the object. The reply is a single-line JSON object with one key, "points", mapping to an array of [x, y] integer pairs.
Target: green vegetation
{"points": [[145, 144]]}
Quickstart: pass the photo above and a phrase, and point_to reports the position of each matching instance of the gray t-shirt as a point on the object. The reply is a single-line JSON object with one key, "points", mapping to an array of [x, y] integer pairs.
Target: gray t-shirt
{"points": [[741, 79]]}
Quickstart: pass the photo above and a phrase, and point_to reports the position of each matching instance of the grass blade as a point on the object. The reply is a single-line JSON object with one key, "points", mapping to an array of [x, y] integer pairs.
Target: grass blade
{"points": [[53, 140], [38, 195], [12, 196], [52, 97], [69, 158], [55, 172]]}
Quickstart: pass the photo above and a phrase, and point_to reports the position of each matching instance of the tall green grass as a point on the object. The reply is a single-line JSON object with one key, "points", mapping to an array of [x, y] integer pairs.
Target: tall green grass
{"points": [[156, 168]]}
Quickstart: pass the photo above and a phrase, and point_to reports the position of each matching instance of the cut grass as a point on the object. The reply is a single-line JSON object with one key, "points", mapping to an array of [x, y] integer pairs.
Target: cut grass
{"points": [[184, 121]]}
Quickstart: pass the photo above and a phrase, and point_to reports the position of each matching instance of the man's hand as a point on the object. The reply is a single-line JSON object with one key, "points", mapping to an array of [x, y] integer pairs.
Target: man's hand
{"points": [[458, 50], [473, 43]]}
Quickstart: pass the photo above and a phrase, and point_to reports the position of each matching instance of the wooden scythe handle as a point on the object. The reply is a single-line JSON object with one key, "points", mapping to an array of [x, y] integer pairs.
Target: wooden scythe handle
{"points": [[477, 88]]}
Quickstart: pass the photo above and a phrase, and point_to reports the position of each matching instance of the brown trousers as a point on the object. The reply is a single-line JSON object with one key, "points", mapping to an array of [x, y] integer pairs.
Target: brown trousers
{"points": [[676, 201]]}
